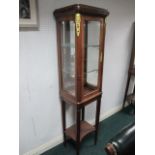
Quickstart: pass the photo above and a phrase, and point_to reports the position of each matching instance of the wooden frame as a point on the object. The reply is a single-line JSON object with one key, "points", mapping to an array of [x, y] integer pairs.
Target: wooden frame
{"points": [[79, 14], [100, 58], [32, 21]]}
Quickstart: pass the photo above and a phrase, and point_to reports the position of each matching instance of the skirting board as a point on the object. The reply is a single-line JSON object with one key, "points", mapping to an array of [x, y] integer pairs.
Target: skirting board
{"points": [[58, 140]]}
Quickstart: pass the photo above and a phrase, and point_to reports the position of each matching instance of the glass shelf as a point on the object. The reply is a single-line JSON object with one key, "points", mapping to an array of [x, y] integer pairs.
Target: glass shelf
{"points": [[91, 46], [73, 46], [68, 46], [94, 70]]}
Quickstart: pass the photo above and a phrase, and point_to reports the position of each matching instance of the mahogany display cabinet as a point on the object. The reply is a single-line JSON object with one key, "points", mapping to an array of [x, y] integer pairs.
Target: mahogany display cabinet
{"points": [[80, 44]]}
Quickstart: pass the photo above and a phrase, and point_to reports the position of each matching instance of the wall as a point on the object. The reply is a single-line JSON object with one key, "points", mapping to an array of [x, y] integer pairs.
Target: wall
{"points": [[40, 117]]}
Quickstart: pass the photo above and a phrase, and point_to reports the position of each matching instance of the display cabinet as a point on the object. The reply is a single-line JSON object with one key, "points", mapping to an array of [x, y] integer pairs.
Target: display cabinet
{"points": [[80, 43]]}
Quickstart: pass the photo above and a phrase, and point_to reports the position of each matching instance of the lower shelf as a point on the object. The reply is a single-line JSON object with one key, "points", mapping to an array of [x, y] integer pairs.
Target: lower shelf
{"points": [[85, 129]]}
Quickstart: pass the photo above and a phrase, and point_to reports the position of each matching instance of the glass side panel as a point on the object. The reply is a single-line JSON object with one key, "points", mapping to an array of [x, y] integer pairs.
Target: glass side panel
{"points": [[91, 60], [68, 56]]}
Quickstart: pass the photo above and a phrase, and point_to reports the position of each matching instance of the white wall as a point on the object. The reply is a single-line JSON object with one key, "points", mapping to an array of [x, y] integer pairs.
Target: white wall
{"points": [[40, 113]]}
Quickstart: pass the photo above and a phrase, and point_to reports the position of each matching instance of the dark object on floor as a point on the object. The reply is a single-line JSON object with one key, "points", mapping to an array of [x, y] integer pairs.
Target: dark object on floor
{"points": [[123, 143]]}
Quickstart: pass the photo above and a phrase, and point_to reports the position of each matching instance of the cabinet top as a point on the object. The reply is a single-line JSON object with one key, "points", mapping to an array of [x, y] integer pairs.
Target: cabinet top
{"points": [[80, 8]]}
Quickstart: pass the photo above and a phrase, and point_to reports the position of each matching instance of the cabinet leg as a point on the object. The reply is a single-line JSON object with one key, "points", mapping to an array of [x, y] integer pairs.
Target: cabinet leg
{"points": [[126, 90], [77, 148], [78, 130], [83, 113], [64, 120], [98, 106]]}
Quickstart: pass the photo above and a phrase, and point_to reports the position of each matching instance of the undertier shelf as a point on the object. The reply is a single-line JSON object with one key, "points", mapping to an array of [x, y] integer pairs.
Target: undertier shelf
{"points": [[85, 129]]}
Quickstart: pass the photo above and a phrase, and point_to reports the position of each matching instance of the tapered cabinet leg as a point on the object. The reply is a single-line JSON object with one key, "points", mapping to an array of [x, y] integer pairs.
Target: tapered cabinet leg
{"points": [[126, 90], [78, 131], [63, 105], [83, 113], [98, 106]]}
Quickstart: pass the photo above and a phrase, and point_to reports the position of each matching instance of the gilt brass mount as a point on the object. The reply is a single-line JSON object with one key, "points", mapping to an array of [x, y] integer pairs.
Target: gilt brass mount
{"points": [[77, 22]]}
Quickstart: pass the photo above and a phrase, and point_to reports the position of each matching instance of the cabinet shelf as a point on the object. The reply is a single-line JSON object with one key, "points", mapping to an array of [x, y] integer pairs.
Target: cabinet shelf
{"points": [[73, 74], [85, 129], [68, 45], [73, 46], [91, 71], [91, 46], [87, 89]]}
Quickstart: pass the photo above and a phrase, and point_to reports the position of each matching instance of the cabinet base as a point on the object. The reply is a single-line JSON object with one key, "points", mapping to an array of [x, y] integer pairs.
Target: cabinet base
{"points": [[85, 129]]}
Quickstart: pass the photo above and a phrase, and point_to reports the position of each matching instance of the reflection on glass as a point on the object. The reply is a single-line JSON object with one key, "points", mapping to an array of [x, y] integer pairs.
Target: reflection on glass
{"points": [[92, 35], [68, 56]]}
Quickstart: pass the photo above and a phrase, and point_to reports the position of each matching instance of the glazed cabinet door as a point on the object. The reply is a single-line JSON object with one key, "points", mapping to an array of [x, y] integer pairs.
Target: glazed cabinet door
{"points": [[92, 55], [67, 56]]}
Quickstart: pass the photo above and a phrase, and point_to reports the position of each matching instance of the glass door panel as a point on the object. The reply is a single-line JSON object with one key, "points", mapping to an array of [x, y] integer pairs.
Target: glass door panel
{"points": [[68, 56], [91, 55]]}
